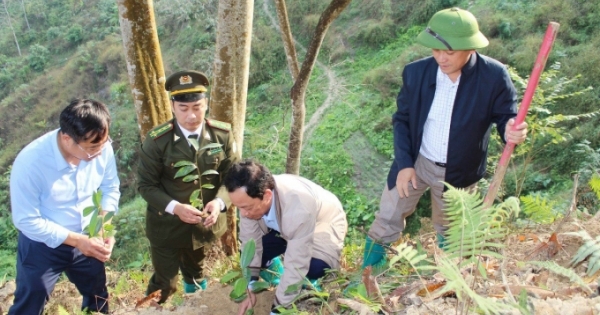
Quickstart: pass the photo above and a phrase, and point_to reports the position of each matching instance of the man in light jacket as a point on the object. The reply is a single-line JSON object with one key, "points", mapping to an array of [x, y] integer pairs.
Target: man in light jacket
{"points": [[290, 215]]}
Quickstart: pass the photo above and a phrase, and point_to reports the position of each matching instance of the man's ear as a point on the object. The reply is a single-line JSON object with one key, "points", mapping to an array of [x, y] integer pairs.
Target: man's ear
{"points": [[268, 195]]}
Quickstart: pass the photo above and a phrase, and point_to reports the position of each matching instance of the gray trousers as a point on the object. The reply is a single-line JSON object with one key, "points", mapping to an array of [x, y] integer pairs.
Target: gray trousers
{"points": [[390, 220]]}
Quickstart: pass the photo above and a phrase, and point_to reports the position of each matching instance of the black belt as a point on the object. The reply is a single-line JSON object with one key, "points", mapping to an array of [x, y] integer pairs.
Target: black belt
{"points": [[440, 164]]}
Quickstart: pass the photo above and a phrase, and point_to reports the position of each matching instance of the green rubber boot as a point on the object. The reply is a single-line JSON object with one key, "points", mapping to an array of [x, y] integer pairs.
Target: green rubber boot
{"points": [[374, 254], [273, 272], [193, 287], [441, 241], [314, 285]]}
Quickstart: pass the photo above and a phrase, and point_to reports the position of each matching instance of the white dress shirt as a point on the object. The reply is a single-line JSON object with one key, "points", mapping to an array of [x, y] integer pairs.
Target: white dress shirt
{"points": [[437, 126]]}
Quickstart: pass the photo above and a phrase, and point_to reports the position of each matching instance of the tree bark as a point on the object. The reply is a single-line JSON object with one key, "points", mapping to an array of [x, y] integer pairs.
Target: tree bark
{"points": [[11, 26], [230, 83], [298, 91], [144, 63], [288, 39]]}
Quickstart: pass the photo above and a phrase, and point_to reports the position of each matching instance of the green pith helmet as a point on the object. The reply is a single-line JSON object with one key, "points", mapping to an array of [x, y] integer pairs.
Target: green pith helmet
{"points": [[452, 29]]}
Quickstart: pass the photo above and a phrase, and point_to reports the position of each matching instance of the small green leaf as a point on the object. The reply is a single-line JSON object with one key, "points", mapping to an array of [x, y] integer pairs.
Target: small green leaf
{"points": [[249, 311], [190, 178], [211, 146], [88, 210], [97, 199], [183, 163], [230, 276], [195, 194], [98, 228], [92, 226], [108, 227], [239, 288], [294, 287], [109, 234], [108, 216], [260, 286], [247, 253], [185, 171], [198, 204], [210, 172], [208, 186]]}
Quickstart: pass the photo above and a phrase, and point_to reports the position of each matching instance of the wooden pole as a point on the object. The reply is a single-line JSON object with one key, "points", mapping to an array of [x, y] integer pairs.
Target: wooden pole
{"points": [[538, 67]]}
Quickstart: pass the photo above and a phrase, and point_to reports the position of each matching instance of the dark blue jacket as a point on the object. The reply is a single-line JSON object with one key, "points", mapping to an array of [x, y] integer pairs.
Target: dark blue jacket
{"points": [[485, 95]]}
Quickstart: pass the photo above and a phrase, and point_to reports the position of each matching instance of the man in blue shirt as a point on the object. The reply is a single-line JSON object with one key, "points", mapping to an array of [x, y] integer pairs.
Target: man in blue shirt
{"points": [[52, 181]]}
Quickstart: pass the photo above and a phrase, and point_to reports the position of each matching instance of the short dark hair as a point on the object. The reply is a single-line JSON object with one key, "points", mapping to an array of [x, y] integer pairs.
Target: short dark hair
{"points": [[85, 119], [250, 174]]}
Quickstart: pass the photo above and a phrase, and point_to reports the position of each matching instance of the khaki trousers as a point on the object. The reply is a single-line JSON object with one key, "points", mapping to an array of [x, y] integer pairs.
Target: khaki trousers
{"points": [[390, 220]]}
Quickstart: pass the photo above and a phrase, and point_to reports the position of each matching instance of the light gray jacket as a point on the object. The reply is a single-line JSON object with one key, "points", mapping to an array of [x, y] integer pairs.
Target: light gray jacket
{"points": [[311, 220]]}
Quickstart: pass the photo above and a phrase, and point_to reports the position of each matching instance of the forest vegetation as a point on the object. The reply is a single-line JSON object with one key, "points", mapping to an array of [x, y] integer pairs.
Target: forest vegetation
{"points": [[54, 50]]}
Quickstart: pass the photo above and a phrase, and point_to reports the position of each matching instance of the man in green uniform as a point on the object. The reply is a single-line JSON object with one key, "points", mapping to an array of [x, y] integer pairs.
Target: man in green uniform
{"points": [[178, 231]]}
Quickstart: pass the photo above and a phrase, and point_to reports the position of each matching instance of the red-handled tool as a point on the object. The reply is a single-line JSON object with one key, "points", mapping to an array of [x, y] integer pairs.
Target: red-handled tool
{"points": [[540, 62]]}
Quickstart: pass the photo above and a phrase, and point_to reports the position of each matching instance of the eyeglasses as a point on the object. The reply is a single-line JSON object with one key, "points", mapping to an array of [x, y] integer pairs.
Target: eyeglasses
{"points": [[97, 151]]}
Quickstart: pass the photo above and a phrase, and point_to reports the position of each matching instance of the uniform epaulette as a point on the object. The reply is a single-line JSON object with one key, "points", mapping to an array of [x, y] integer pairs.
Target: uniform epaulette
{"points": [[160, 130], [219, 124]]}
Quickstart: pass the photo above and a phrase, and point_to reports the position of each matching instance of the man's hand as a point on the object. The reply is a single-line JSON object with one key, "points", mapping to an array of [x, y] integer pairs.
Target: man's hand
{"points": [[405, 176], [187, 213], [91, 247], [109, 243], [247, 304], [516, 136], [213, 208]]}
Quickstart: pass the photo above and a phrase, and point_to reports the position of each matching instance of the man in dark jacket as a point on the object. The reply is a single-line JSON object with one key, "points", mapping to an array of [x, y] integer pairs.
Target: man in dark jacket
{"points": [[446, 108], [177, 230]]}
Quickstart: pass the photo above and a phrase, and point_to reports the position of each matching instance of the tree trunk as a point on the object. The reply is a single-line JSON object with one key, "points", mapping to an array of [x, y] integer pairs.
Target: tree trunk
{"points": [[11, 27], [230, 88], [144, 63], [288, 39], [25, 14], [298, 91]]}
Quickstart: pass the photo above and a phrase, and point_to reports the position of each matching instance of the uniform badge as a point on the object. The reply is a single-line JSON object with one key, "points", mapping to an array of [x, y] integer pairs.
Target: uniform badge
{"points": [[185, 79]]}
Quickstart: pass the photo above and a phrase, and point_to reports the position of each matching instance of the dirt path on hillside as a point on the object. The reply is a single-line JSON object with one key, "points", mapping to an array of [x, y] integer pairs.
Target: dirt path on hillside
{"points": [[333, 85]]}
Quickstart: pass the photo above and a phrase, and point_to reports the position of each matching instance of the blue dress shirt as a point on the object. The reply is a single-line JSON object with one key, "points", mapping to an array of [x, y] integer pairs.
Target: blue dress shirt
{"points": [[48, 194]]}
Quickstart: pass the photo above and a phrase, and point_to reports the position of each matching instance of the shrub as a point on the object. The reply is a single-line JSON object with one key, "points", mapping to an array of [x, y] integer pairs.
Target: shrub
{"points": [[38, 57], [74, 34]]}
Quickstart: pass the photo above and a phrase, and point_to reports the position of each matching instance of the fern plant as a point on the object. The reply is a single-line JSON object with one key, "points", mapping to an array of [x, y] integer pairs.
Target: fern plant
{"points": [[590, 250], [560, 270], [545, 128], [590, 168], [538, 208], [474, 230]]}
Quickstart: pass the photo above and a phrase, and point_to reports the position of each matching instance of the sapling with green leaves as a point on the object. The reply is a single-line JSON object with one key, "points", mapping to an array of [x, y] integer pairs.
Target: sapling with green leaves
{"points": [[243, 283], [190, 172], [100, 224]]}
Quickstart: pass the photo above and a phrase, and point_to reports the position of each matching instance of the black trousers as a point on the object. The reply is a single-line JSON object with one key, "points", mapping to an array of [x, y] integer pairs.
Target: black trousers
{"points": [[274, 245], [167, 262], [38, 270]]}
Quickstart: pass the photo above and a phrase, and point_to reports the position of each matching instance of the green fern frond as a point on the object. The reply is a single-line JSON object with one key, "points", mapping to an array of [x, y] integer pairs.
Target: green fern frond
{"points": [[473, 229], [560, 270], [538, 209], [595, 184], [456, 282], [409, 253], [590, 250]]}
